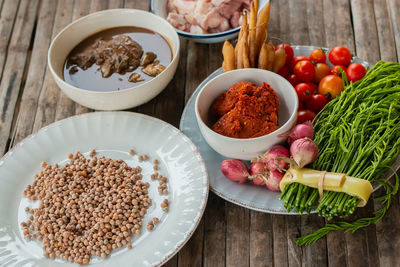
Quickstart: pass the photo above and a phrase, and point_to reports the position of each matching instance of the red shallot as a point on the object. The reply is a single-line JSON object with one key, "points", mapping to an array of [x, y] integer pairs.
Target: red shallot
{"points": [[269, 158], [258, 173], [273, 180], [235, 170], [300, 131], [304, 151]]}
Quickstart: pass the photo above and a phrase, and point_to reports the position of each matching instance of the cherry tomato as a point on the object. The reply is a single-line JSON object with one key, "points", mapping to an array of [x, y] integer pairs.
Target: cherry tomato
{"points": [[303, 91], [313, 88], [317, 56], [301, 106], [305, 71], [305, 115], [337, 70], [355, 72], [340, 55], [321, 70], [289, 52], [284, 72], [330, 86], [293, 79], [316, 102], [297, 59]]}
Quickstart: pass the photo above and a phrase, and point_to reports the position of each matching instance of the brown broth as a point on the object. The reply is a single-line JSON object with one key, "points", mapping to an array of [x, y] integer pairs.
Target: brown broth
{"points": [[91, 78]]}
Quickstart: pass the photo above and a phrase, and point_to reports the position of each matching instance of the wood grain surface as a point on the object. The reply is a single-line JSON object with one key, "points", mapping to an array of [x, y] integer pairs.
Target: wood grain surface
{"points": [[228, 235]]}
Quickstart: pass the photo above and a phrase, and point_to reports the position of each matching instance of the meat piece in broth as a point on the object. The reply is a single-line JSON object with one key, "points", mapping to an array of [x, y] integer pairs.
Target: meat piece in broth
{"points": [[153, 69], [148, 58], [135, 77]]}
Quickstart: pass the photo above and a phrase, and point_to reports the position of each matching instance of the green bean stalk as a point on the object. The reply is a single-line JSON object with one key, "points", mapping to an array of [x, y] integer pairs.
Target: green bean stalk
{"points": [[358, 133]]}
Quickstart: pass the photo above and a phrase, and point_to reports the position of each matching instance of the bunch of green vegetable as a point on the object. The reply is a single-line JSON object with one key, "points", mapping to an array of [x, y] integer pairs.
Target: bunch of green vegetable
{"points": [[358, 134]]}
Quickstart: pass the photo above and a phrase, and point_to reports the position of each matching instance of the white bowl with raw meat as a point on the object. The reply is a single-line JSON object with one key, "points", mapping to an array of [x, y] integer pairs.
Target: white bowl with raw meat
{"points": [[203, 21]]}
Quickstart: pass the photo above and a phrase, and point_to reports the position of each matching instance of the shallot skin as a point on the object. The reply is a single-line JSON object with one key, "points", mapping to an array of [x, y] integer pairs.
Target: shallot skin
{"points": [[304, 151], [301, 131], [235, 170], [273, 180], [274, 152], [258, 171]]}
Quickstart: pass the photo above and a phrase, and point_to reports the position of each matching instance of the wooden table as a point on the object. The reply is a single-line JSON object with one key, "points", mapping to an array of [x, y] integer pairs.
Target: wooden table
{"points": [[227, 235]]}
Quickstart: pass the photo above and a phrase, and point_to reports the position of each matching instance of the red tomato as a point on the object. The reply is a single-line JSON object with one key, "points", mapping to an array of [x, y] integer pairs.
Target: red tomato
{"points": [[293, 79], [313, 87], [316, 102], [340, 55], [337, 70], [297, 59], [305, 115], [284, 72], [305, 71], [301, 106], [289, 52], [355, 72], [317, 56], [321, 70], [303, 91], [330, 86]]}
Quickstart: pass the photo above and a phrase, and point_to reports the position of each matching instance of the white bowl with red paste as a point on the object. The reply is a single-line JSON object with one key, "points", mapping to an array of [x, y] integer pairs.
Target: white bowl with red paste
{"points": [[246, 148], [160, 8], [81, 29]]}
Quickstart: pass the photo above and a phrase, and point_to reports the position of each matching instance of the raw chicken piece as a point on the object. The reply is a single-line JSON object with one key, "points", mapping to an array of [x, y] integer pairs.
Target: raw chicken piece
{"points": [[235, 19], [227, 9], [209, 15], [214, 20], [178, 21], [184, 6]]}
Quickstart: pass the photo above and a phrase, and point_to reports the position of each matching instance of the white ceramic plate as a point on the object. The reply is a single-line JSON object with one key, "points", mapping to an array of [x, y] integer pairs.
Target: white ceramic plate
{"points": [[112, 134], [159, 7], [245, 195]]}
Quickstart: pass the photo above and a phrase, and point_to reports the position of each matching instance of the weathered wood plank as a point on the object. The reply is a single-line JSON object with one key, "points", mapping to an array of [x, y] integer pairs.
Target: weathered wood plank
{"points": [[237, 235], [37, 70], [97, 5], [388, 234], [12, 74], [173, 262], [137, 4], [387, 46], [191, 254], [315, 21], [50, 92], [365, 34], [195, 61], [115, 4], [337, 23], [280, 240], [293, 231], [214, 232], [315, 254], [298, 26], [261, 239], [394, 14], [7, 18]]}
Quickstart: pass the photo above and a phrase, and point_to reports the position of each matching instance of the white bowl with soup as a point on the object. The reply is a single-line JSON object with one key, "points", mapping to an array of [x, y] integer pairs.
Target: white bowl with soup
{"points": [[97, 59]]}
